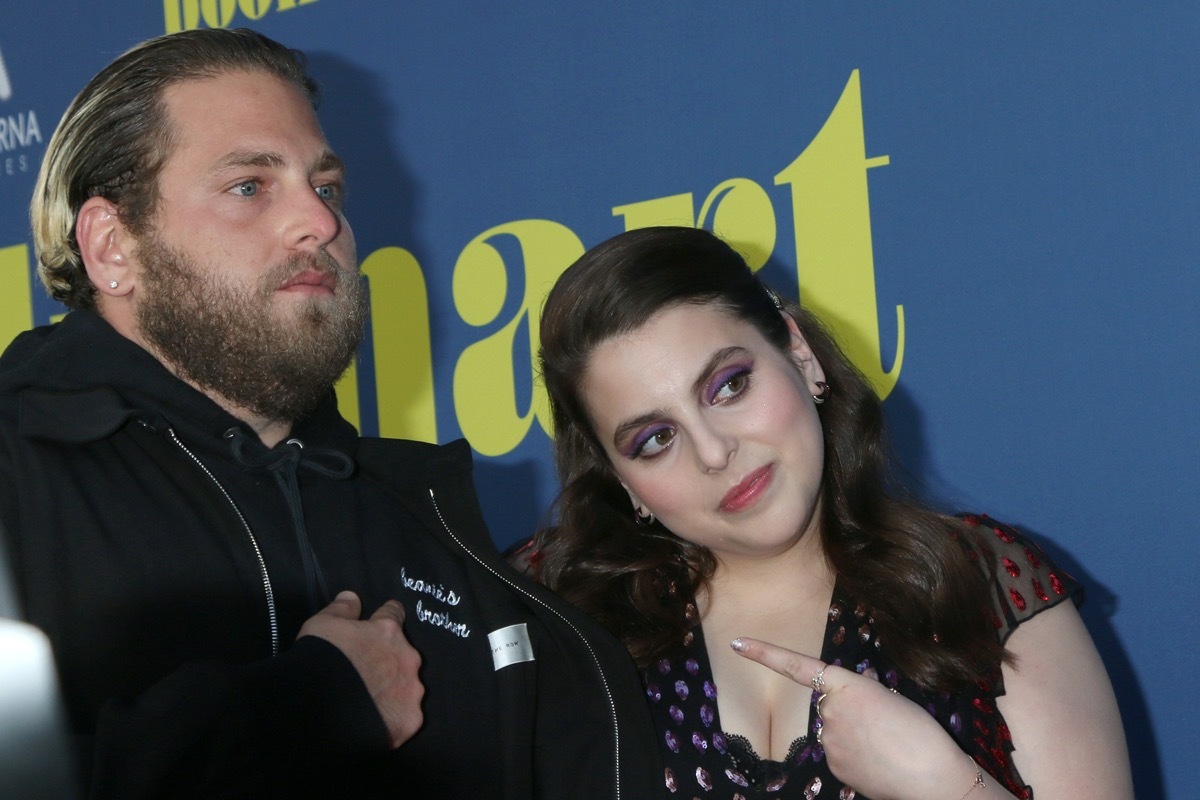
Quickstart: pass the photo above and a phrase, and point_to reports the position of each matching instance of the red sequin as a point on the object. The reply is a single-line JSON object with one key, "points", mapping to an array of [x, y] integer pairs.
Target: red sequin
{"points": [[1011, 567], [1000, 757], [1018, 601], [1005, 734], [1004, 535], [1039, 591], [982, 706], [1056, 584], [1034, 561], [982, 727]]}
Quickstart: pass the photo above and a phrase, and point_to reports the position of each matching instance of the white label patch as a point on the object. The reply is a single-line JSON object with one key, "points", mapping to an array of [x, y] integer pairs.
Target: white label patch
{"points": [[510, 646]]}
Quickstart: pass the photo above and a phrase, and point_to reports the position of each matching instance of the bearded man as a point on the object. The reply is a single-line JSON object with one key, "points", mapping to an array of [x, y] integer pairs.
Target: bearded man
{"points": [[198, 530]]}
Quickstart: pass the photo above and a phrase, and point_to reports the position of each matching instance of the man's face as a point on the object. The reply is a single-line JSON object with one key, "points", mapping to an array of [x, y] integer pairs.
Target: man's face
{"points": [[248, 285]]}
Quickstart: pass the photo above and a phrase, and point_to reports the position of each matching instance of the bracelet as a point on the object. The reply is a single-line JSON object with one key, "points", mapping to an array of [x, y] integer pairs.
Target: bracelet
{"points": [[978, 784]]}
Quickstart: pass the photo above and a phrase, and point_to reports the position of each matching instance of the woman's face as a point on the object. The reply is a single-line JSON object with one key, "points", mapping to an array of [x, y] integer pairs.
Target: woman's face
{"points": [[712, 428]]}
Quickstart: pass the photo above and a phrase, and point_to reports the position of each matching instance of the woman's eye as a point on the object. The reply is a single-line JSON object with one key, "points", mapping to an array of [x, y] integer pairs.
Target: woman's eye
{"points": [[730, 385], [656, 442]]}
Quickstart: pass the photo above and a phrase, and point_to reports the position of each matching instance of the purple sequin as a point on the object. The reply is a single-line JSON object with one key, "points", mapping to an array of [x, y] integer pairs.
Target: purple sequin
{"points": [[703, 779], [664, 666], [956, 722], [706, 715], [681, 689], [676, 714], [710, 690], [699, 742], [669, 777], [692, 666], [672, 741], [720, 743], [653, 692], [737, 778]]}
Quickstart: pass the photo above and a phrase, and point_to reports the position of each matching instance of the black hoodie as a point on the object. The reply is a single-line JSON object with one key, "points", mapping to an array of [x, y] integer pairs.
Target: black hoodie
{"points": [[171, 558]]}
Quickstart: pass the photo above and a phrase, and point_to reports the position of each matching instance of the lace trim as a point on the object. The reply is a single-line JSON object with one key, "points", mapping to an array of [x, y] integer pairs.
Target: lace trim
{"points": [[740, 749]]}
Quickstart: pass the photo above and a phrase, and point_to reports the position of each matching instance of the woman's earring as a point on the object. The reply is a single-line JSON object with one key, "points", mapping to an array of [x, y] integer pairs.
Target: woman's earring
{"points": [[823, 392], [644, 520], [112, 284]]}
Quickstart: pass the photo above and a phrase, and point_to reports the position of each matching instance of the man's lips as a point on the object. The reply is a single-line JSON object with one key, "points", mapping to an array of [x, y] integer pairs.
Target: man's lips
{"points": [[747, 492], [310, 280]]}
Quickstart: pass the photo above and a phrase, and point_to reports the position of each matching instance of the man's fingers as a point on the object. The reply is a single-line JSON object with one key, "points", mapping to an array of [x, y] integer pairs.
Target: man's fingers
{"points": [[346, 605], [797, 666], [392, 609]]}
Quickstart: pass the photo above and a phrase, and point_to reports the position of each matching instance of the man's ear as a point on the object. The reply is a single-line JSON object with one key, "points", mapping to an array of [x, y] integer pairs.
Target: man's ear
{"points": [[106, 247], [803, 356]]}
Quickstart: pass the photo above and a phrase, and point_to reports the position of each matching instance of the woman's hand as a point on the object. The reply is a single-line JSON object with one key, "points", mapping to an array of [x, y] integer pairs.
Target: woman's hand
{"points": [[876, 740]]}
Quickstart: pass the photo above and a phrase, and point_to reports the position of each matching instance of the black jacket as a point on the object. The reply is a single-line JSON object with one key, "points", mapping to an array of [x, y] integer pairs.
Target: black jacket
{"points": [[171, 558]]}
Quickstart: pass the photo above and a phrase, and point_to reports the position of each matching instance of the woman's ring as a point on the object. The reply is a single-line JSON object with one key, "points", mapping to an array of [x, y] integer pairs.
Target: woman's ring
{"points": [[818, 681]]}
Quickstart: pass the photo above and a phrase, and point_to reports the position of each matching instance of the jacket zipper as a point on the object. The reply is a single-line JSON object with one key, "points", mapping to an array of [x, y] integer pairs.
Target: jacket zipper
{"points": [[262, 564], [612, 706]]}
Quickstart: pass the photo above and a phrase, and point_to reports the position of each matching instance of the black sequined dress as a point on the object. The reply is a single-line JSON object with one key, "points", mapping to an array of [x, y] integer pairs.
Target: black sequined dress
{"points": [[704, 761]]}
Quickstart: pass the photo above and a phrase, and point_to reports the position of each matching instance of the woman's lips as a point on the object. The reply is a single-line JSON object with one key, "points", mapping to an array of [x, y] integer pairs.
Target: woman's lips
{"points": [[746, 493]]}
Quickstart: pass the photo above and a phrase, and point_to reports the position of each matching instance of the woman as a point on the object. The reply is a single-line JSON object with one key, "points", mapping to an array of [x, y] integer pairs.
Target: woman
{"points": [[726, 511]]}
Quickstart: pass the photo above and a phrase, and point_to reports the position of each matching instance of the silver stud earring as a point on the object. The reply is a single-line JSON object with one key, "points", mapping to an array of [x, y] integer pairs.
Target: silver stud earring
{"points": [[645, 520], [112, 284]]}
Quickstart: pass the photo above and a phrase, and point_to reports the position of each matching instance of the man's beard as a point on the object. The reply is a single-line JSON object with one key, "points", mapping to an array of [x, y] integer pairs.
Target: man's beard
{"points": [[236, 343]]}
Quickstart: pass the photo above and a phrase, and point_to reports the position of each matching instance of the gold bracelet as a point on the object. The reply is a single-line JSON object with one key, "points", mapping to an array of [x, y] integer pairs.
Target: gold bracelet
{"points": [[978, 784]]}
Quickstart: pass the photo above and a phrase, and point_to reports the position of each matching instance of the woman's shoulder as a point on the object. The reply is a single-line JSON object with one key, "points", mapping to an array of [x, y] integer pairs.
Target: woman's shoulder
{"points": [[1023, 580]]}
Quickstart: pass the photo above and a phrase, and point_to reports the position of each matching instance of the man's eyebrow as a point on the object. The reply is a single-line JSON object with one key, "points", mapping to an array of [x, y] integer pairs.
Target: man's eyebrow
{"points": [[329, 162], [249, 158]]}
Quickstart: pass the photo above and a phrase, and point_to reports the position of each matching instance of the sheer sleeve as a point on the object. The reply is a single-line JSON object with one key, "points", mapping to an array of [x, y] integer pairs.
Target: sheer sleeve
{"points": [[1023, 580]]}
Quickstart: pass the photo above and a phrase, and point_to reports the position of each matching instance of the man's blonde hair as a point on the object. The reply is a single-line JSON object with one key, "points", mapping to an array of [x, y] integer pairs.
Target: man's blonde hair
{"points": [[116, 135]]}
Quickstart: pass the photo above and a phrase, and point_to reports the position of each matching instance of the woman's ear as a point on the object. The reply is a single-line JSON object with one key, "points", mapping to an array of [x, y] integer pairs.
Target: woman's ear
{"points": [[105, 246], [803, 356]]}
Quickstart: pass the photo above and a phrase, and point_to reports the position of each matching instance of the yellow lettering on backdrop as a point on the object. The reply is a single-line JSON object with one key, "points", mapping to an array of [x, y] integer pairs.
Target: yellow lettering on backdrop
{"points": [[186, 15], [16, 302], [400, 332], [832, 219], [485, 396]]}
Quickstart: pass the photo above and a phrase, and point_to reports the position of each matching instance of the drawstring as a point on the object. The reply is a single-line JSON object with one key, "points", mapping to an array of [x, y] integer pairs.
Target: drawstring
{"points": [[284, 465]]}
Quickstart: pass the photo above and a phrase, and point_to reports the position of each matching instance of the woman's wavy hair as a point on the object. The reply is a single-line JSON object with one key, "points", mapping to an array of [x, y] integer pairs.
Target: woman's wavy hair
{"points": [[116, 135], [930, 601]]}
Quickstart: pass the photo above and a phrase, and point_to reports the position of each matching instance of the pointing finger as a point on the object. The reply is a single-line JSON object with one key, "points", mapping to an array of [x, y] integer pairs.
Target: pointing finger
{"points": [[797, 666]]}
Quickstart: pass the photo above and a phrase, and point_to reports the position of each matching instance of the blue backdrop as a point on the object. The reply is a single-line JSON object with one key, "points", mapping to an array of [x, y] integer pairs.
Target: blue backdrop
{"points": [[995, 204]]}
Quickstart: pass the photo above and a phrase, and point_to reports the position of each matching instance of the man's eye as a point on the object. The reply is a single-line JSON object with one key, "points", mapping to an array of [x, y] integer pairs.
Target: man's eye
{"points": [[246, 189], [328, 192]]}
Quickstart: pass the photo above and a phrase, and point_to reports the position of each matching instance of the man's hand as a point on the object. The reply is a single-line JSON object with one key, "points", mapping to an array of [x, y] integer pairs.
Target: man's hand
{"points": [[382, 655]]}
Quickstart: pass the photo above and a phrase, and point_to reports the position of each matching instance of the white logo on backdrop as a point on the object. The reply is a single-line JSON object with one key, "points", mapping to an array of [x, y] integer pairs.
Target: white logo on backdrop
{"points": [[5, 84]]}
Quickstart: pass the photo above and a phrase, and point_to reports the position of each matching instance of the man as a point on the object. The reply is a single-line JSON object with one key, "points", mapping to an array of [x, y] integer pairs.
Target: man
{"points": [[199, 532]]}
